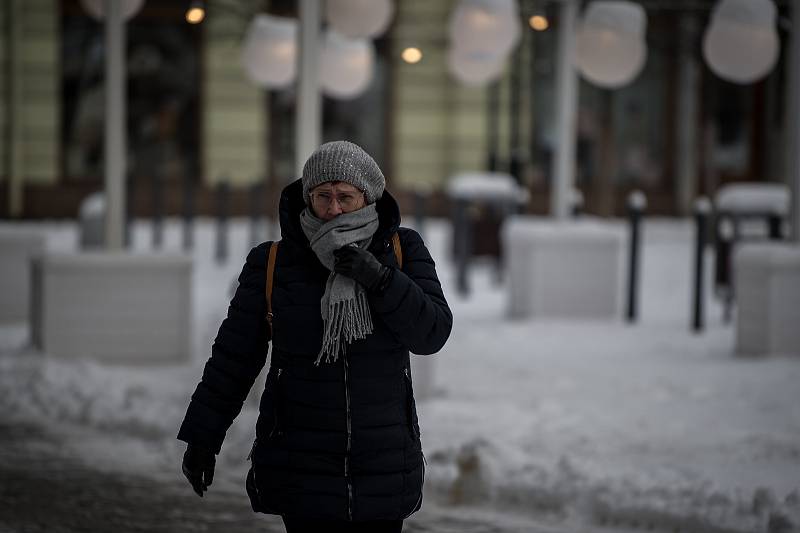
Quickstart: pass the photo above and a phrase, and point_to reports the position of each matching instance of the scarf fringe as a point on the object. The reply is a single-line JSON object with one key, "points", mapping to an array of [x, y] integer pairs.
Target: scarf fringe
{"points": [[345, 321]]}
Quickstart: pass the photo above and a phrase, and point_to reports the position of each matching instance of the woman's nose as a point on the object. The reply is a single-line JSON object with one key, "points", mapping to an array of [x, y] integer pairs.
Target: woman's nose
{"points": [[334, 208]]}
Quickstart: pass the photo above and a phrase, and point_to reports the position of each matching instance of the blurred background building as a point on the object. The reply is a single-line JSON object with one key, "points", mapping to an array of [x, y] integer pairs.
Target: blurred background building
{"points": [[195, 119]]}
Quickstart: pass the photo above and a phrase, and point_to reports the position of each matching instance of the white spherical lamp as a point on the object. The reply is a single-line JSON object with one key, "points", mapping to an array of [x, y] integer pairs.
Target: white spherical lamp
{"points": [[346, 65], [269, 53], [359, 18], [741, 44], [485, 26], [474, 69], [610, 49], [97, 8]]}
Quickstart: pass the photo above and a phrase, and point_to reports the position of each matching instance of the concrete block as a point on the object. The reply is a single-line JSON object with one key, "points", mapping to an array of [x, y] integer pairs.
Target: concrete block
{"points": [[17, 247], [113, 306], [767, 286], [563, 269]]}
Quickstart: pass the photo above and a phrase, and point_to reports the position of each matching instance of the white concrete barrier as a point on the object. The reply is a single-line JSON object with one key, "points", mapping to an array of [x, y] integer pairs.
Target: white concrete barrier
{"points": [[563, 269], [17, 247], [112, 306], [767, 285]]}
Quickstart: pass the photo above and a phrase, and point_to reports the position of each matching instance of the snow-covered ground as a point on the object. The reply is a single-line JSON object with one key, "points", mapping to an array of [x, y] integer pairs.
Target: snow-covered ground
{"points": [[575, 425]]}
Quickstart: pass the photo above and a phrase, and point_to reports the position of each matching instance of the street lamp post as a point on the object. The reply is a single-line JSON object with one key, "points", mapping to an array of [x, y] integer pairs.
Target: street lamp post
{"points": [[115, 112], [566, 101], [309, 101]]}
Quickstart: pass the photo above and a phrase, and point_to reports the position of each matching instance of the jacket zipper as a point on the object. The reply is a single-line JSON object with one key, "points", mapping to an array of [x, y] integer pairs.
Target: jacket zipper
{"points": [[275, 403], [409, 389], [409, 403], [349, 441]]}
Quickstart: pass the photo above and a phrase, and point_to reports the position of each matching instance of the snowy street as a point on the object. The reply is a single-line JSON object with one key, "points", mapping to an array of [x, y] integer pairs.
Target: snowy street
{"points": [[548, 426]]}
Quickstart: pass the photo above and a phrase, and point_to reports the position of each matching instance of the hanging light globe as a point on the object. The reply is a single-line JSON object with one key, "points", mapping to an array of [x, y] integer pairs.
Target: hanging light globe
{"points": [[610, 44], [741, 44], [359, 18], [755, 12], [474, 69], [269, 53], [346, 65], [485, 26], [97, 8]]}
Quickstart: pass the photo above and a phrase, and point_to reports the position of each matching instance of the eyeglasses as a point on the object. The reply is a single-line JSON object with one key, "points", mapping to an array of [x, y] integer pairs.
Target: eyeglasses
{"points": [[347, 201]]}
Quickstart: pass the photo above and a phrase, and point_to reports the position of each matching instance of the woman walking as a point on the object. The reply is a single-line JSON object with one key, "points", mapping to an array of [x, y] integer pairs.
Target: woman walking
{"points": [[352, 293]]}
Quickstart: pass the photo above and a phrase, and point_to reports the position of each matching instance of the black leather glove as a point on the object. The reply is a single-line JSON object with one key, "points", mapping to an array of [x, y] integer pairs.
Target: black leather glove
{"points": [[198, 467], [360, 265]]}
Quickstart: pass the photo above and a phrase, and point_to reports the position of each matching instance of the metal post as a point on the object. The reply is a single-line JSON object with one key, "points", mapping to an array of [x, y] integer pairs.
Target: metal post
{"points": [[115, 112], [256, 201], [420, 208], [309, 102], [157, 201], [493, 121], [687, 124], [702, 209], [725, 235], [775, 227], [793, 122], [515, 118], [462, 232], [13, 87], [188, 211], [566, 102], [129, 197], [637, 203], [221, 248]]}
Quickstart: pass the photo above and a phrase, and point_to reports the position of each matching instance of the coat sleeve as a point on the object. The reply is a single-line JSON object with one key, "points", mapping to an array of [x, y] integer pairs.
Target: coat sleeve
{"points": [[237, 356], [413, 305]]}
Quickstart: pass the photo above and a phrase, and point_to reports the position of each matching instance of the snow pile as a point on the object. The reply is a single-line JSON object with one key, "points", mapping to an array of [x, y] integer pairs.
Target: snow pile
{"points": [[577, 424]]}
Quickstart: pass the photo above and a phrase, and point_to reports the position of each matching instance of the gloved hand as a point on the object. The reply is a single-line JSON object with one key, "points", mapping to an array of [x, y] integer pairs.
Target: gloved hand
{"points": [[198, 467], [360, 265]]}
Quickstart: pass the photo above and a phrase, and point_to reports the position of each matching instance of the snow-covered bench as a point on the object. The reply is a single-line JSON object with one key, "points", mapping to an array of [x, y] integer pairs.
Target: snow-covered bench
{"points": [[767, 282], [570, 269], [17, 247], [113, 306]]}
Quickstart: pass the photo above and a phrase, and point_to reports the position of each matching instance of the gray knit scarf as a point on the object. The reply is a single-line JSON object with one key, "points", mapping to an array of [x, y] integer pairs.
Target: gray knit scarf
{"points": [[344, 306]]}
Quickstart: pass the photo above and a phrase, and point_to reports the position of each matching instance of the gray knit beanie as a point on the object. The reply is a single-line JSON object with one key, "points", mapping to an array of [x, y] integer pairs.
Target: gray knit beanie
{"points": [[347, 162]]}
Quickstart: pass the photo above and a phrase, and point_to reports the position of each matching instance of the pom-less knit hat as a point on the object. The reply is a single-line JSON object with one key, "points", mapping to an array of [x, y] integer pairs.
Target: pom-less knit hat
{"points": [[347, 162]]}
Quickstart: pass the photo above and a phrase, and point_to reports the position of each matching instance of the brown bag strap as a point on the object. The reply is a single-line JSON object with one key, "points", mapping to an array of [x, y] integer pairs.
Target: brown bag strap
{"points": [[398, 251], [273, 252]]}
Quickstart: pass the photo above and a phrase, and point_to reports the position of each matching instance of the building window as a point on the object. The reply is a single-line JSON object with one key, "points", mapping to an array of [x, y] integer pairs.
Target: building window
{"points": [[163, 83]]}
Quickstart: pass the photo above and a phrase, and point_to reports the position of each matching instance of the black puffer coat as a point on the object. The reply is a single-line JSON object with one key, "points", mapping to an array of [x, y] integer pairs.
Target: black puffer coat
{"points": [[338, 441]]}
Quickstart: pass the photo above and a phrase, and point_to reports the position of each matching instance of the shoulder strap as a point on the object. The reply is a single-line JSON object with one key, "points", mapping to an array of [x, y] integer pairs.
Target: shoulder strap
{"points": [[398, 251], [273, 252]]}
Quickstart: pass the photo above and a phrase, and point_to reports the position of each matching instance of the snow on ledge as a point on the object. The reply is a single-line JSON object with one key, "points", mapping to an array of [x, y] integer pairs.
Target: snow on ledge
{"points": [[751, 198], [486, 186]]}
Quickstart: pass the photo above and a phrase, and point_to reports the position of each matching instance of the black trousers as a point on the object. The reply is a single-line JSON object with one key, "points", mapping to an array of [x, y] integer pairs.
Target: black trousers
{"points": [[302, 525]]}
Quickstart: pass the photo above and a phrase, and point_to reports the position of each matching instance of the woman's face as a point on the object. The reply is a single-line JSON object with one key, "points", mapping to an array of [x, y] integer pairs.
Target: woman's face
{"points": [[332, 198]]}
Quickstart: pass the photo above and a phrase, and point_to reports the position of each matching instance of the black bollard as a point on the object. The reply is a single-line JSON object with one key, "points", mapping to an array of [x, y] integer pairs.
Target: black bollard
{"points": [[420, 210], [637, 203], [157, 203], [775, 224], [725, 234], [462, 232], [129, 190], [256, 201], [576, 203], [188, 211], [702, 210], [221, 248]]}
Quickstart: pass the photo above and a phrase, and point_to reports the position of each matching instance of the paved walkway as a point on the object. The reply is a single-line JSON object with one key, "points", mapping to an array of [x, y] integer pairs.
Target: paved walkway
{"points": [[45, 489]]}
